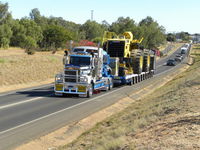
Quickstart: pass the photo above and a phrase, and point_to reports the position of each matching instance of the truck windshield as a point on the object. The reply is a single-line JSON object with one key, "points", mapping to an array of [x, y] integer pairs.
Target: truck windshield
{"points": [[79, 61], [91, 51], [78, 50]]}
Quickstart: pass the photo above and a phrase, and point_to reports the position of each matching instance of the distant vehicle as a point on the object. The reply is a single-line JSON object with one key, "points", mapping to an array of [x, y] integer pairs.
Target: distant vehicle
{"points": [[171, 62], [179, 57], [187, 45], [183, 50]]}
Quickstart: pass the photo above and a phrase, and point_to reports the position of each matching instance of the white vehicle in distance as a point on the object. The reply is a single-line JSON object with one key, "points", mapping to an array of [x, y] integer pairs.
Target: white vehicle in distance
{"points": [[183, 50]]}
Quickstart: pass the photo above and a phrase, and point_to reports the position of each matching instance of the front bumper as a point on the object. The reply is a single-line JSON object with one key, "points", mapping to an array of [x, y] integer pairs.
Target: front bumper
{"points": [[71, 88]]}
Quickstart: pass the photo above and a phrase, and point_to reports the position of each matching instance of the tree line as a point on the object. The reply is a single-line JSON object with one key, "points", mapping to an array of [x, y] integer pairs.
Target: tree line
{"points": [[38, 32]]}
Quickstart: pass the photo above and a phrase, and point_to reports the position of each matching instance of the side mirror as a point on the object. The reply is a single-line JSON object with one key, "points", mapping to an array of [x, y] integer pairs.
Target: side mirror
{"points": [[66, 53]]}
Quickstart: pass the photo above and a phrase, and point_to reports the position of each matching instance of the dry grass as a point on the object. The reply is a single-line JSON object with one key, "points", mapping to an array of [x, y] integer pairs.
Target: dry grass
{"points": [[17, 68], [167, 119], [174, 46], [196, 49]]}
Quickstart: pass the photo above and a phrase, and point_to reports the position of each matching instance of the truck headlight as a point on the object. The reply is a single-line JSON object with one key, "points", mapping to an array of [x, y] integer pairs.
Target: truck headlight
{"points": [[83, 79], [59, 78]]}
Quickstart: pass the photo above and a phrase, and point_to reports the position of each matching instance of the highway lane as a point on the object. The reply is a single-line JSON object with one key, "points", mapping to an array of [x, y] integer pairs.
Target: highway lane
{"points": [[31, 117]]}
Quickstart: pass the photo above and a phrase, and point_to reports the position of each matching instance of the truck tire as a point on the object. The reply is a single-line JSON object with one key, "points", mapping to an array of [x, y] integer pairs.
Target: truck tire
{"points": [[131, 82], [107, 87], [146, 61], [137, 57], [110, 85], [90, 91]]}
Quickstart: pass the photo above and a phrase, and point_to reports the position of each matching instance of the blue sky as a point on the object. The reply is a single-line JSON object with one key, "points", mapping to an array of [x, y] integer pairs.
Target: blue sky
{"points": [[174, 15]]}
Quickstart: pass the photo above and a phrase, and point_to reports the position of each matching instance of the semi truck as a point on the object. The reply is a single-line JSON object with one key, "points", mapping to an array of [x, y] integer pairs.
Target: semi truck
{"points": [[86, 71]]}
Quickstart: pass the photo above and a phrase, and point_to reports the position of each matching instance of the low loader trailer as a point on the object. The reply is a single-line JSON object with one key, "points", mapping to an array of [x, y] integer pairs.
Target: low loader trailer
{"points": [[130, 62]]}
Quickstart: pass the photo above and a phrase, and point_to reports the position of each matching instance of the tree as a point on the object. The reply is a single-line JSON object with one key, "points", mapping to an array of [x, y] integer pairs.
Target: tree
{"points": [[5, 35], [92, 29], [29, 44], [153, 34], [171, 37], [32, 29], [74, 28], [19, 34], [3, 11], [122, 25], [105, 25], [35, 15], [184, 36], [55, 37], [5, 25], [147, 21], [40, 20]]}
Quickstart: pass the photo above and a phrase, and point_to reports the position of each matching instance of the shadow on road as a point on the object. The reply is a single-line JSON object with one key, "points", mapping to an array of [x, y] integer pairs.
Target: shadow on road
{"points": [[38, 92]]}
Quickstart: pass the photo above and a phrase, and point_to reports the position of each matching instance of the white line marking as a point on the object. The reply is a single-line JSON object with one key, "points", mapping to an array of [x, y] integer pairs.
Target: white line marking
{"points": [[89, 100], [22, 102]]}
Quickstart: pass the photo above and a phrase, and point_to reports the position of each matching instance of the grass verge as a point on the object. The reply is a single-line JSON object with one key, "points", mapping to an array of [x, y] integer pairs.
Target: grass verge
{"points": [[19, 70]]}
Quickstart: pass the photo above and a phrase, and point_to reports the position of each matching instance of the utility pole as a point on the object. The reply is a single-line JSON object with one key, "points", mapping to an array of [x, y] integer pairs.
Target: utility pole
{"points": [[92, 11]]}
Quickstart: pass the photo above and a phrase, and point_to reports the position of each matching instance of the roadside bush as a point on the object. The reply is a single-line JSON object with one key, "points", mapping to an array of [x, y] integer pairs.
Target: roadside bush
{"points": [[161, 54], [5, 43], [30, 51]]}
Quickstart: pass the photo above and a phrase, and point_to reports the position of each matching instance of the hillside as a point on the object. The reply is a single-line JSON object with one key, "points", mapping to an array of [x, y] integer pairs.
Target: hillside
{"points": [[167, 119], [19, 70]]}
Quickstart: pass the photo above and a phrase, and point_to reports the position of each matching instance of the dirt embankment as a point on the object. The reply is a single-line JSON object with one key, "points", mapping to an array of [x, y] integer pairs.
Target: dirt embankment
{"points": [[169, 118], [19, 70]]}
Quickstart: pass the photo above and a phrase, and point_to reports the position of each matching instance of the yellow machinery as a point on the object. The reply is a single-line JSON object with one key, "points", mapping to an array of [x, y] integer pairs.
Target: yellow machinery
{"points": [[132, 58]]}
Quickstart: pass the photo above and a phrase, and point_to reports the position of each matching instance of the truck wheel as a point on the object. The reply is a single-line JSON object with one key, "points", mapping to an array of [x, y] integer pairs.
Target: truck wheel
{"points": [[131, 82], [90, 92], [107, 86], [110, 85]]}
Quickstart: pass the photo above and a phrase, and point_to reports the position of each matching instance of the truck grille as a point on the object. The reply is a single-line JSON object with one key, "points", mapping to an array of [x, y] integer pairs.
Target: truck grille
{"points": [[70, 79], [71, 76], [116, 48], [70, 72]]}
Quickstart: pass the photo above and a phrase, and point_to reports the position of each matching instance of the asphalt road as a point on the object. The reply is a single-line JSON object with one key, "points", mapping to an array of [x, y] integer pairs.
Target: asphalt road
{"points": [[31, 113]]}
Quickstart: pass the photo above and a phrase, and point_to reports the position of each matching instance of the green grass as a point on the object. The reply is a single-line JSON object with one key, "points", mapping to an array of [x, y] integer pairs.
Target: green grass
{"points": [[7, 60], [53, 59], [196, 48], [2, 60]]}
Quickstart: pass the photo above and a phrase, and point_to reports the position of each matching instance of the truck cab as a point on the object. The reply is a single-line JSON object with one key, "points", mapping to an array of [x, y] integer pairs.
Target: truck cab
{"points": [[83, 73]]}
